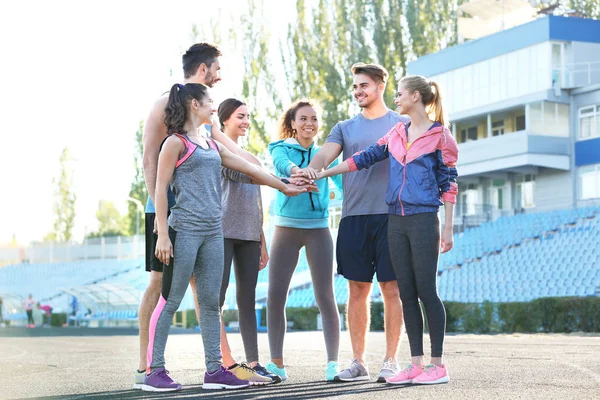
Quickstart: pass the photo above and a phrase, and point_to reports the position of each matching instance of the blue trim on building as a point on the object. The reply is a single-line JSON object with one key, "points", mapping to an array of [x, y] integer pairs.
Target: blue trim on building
{"points": [[587, 152], [522, 36]]}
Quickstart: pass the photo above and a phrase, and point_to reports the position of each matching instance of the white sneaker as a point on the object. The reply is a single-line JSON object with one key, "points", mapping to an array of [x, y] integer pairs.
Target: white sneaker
{"points": [[389, 369]]}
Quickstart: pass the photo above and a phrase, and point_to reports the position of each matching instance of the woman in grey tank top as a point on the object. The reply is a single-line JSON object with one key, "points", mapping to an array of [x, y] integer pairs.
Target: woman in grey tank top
{"points": [[245, 246], [191, 242]]}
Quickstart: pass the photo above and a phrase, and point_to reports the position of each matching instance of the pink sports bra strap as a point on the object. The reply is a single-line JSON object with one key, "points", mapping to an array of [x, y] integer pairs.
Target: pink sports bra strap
{"points": [[189, 149]]}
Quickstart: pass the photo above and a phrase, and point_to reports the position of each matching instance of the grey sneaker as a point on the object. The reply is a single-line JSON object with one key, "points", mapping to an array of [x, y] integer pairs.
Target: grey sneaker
{"points": [[138, 379], [355, 372], [389, 369]]}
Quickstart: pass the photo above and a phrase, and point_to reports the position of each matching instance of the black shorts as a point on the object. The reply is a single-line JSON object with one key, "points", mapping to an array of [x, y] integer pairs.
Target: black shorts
{"points": [[362, 248], [152, 263]]}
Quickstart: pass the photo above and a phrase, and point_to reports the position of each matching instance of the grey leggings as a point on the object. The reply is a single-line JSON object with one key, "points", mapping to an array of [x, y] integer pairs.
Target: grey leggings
{"points": [[285, 250], [200, 255], [246, 257], [414, 248]]}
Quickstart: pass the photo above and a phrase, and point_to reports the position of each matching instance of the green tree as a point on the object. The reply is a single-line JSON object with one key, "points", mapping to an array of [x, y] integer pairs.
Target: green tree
{"points": [[259, 83], [110, 221], [324, 42], [64, 201], [138, 189]]}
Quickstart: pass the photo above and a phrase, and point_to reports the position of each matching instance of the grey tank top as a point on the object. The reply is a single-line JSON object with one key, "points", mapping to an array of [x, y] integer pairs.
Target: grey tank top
{"points": [[196, 184]]}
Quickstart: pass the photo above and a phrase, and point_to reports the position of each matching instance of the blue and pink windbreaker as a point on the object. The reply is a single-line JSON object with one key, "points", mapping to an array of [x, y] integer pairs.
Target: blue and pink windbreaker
{"points": [[421, 178]]}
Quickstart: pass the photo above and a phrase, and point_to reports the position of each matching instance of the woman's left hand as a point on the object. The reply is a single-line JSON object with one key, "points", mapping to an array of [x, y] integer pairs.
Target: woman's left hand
{"points": [[447, 238], [264, 256]]}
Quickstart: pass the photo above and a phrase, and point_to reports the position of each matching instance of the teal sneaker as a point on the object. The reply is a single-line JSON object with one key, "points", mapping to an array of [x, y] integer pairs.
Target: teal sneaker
{"points": [[332, 370], [274, 369]]}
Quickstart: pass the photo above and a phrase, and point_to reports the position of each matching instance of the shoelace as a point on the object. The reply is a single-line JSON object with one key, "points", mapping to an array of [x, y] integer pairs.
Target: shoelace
{"points": [[389, 364], [428, 369], [165, 375], [247, 368]]}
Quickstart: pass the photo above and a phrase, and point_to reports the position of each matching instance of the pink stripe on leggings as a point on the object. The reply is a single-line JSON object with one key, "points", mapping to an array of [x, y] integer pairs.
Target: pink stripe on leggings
{"points": [[152, 332]]}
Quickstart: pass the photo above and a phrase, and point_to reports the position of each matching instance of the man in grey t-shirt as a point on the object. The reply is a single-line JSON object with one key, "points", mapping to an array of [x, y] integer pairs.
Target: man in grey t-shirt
{"points": [[362, 247]]}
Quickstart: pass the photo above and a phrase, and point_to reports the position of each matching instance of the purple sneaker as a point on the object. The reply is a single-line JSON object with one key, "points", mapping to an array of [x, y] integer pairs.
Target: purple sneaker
{"points": [[223, 379], [160, 381]]}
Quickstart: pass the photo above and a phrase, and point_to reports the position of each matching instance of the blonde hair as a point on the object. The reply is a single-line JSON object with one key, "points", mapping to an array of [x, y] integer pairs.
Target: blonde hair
{"points": [[430, 95], [285, 126]]}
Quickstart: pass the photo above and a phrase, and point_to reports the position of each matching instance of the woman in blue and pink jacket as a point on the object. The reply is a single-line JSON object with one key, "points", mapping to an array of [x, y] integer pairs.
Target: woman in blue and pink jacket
{"points": [[422, 178]]}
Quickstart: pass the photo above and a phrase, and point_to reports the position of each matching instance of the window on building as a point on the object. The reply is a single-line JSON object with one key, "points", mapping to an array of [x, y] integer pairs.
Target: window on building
{"points": [[469, 199], [520, 123], [468, 134], [589, 122], [498, 128], [589, 182], [526, 191], [497, 194]]}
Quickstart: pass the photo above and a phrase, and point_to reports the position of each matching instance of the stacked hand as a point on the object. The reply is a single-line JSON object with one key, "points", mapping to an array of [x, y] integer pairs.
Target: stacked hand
{"points": [[308, 172], [304, 182], [292, 190]]}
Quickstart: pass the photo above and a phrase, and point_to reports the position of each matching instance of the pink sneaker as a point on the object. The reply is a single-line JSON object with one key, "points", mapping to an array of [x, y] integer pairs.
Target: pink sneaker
{"points": [[431, 375], [405, 376]]}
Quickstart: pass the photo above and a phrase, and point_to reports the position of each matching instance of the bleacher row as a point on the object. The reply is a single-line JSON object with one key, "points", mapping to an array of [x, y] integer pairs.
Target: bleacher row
{"points": [[517, 258]]}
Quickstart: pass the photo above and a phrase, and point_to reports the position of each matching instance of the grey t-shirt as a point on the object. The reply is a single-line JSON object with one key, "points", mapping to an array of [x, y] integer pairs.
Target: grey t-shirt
{"points": [[242, 206], [364, 191]]}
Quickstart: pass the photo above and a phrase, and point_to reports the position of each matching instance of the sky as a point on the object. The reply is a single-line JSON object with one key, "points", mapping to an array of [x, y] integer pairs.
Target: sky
{"points": [[84, 75]]}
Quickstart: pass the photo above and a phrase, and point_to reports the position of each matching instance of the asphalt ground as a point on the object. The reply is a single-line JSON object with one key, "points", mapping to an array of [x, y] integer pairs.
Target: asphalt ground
{"points": [[71, 363]]}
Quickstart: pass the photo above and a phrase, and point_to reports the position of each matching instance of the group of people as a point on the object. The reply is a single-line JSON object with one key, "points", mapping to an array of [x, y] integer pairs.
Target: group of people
{"points": [[204, 213]]}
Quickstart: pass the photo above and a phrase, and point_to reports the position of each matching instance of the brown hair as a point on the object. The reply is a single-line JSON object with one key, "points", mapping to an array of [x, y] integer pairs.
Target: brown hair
{"points": [[430, 95], [180, 96], [285, 126], [226, 108], [373, 71]]}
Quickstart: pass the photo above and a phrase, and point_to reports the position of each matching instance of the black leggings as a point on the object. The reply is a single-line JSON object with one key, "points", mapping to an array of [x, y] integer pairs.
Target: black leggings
{"points": [[30, 317], [245, 255], [414, 248]]}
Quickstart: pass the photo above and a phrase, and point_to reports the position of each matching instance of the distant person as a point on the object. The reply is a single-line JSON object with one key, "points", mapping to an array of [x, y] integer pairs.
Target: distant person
{"points": [[74, 306], [47, 313], [1, 317], [190, 240], [28, 306]]}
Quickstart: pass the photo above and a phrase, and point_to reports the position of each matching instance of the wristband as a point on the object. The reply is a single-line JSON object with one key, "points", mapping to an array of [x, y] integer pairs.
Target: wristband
{"points": [[285, 181]]}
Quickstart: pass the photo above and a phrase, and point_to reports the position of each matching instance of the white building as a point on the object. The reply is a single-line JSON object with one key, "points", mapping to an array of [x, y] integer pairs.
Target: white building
{"points": [[524, 105]]}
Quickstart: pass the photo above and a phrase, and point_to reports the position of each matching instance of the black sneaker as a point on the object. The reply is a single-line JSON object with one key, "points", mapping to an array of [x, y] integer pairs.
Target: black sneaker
{"points": [[259, 369]]}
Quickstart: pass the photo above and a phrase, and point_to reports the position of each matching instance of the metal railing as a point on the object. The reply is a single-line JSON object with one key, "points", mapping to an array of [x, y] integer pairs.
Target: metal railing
{"points": [[118, 247], [577, 74]]}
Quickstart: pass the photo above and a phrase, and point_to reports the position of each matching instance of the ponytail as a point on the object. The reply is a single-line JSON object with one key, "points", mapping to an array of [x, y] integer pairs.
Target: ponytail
{"points": [[430, 95], [175, 112], [435, 107]]}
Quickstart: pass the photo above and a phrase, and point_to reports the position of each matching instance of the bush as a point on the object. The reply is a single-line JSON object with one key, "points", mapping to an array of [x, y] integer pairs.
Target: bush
{"points": [[58, 319], [555, 314]]}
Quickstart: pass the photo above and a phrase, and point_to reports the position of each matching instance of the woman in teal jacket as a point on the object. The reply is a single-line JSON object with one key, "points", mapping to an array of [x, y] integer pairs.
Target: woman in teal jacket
{"points": [[301, 222]]}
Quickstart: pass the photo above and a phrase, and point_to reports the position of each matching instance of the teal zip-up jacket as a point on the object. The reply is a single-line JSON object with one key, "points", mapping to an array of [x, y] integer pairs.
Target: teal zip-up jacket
{"points": [[307, 210]]}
